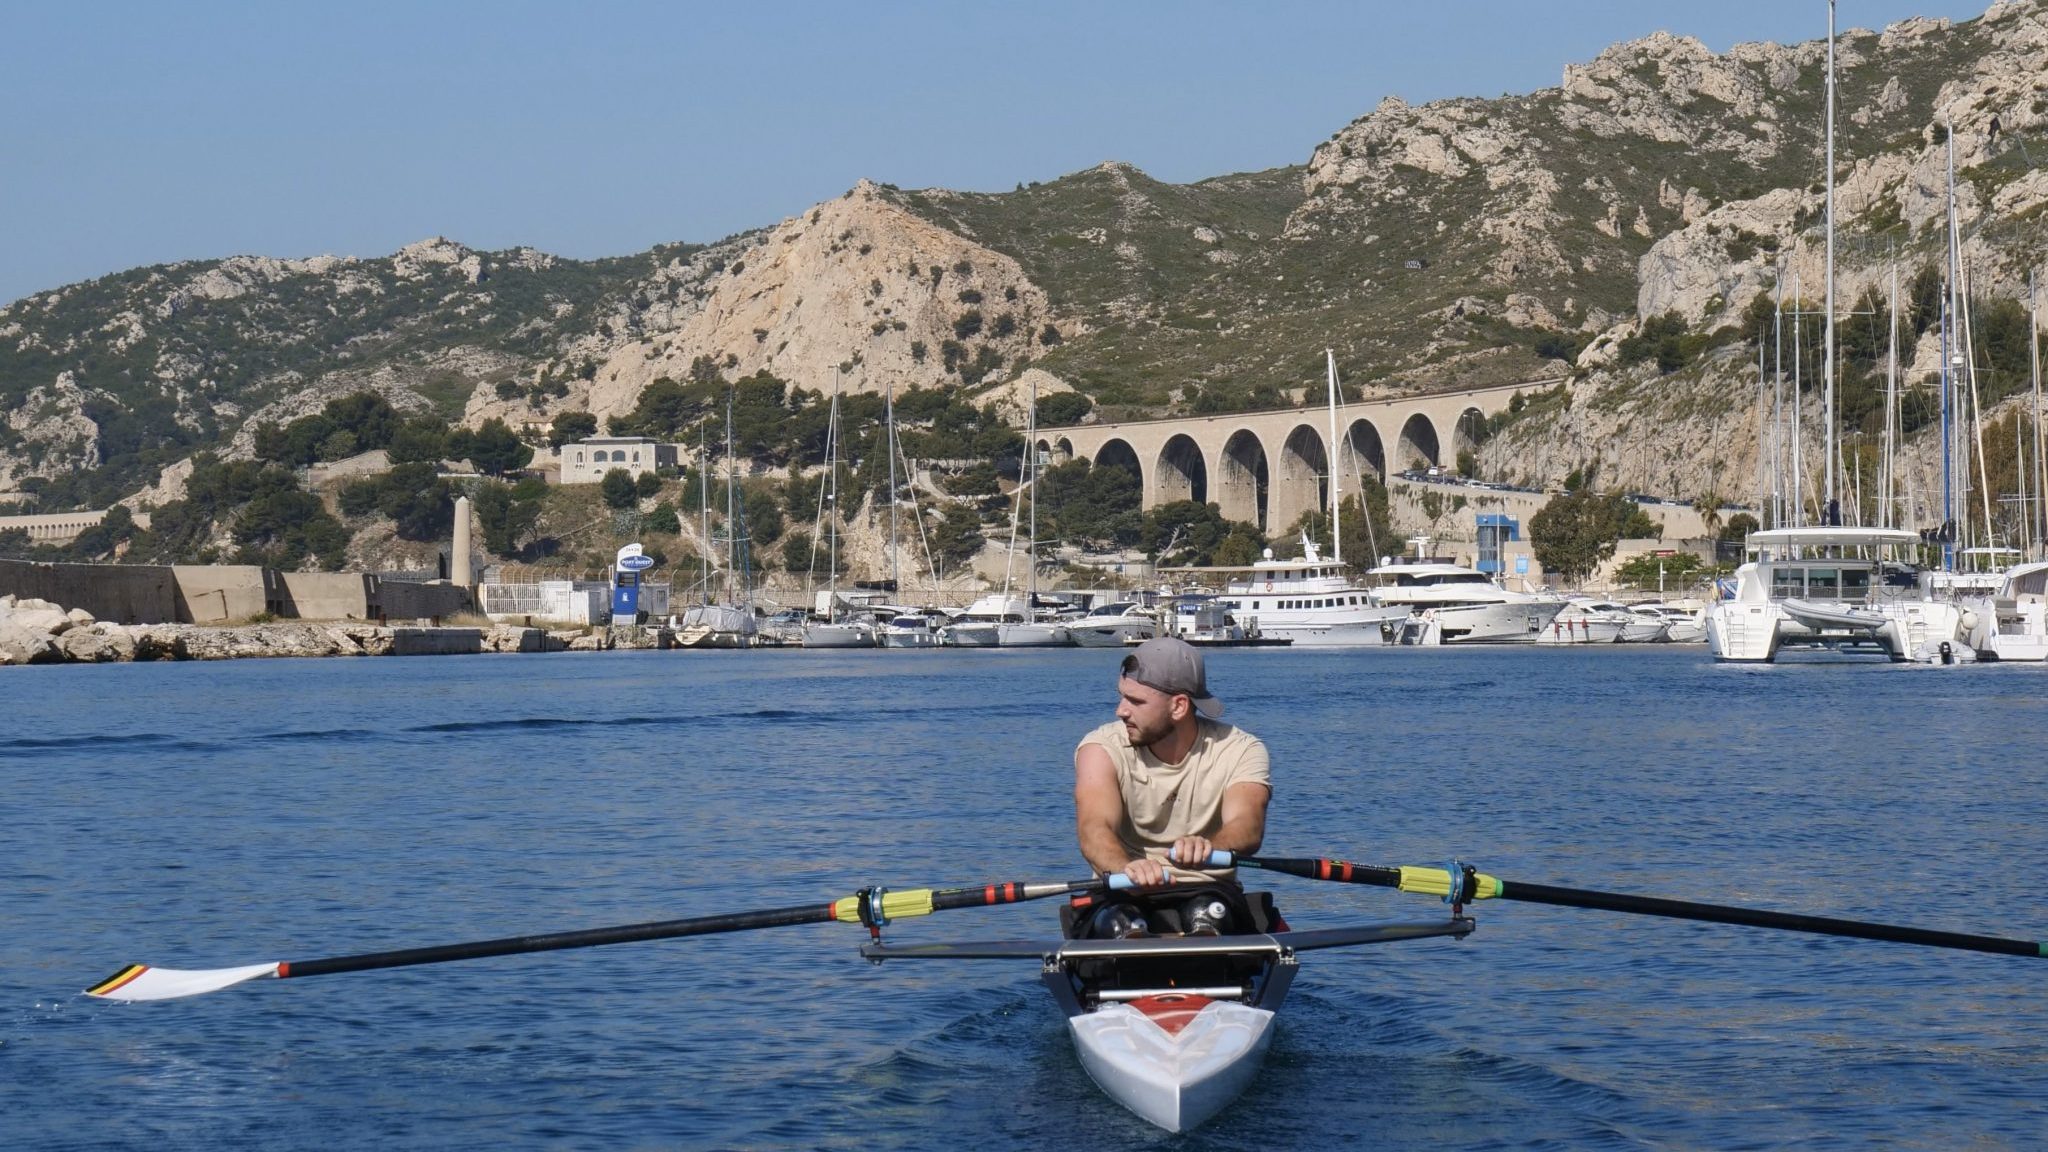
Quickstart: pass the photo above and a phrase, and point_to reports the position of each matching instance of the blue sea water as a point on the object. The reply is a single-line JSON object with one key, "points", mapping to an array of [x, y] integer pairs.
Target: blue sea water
{"points": [[204, 815]]}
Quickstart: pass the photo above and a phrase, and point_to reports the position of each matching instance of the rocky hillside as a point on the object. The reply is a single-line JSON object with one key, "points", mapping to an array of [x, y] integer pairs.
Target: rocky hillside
{"points": [[1462, 242]]}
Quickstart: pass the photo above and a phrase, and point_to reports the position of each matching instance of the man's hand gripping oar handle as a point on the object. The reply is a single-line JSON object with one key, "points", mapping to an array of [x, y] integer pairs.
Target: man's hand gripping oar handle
{"points": [[873, 907], [1473, 885]]}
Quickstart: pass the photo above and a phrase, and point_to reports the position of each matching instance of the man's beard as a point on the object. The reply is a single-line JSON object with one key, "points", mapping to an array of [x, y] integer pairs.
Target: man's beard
{"points": [[1140, 738]]}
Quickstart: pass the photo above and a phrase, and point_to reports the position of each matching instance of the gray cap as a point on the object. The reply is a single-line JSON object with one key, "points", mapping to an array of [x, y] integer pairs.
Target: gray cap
{"points": [[1173, 666]]}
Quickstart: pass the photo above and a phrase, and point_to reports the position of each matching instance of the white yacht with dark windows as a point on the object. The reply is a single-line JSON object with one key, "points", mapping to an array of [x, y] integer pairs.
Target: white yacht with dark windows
{"points": [[1309, 601], [1453, 604], [1842, 588], [1114, 625]]}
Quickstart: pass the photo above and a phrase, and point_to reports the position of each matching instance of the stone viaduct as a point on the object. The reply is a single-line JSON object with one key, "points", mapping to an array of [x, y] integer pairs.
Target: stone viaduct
{"points": [[1268, 468]]}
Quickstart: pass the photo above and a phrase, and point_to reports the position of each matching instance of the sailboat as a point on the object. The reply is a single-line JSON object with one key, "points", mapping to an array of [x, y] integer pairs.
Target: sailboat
{"points": [[1844, 588], [731, 624], [1030, 633], [833, 631]]}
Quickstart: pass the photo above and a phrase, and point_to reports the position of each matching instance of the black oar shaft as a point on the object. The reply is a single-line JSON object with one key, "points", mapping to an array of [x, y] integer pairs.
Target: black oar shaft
{"points": [[555, 941], [1759, 918], [910, 902], [1489, 887]]}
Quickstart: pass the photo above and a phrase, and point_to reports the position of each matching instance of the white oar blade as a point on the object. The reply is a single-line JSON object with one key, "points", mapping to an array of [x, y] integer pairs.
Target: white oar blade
{"points": [[141, 982]]}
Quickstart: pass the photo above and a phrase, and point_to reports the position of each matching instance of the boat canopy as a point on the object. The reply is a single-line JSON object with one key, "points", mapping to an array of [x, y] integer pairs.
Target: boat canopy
{"points": [[1832, 537]]}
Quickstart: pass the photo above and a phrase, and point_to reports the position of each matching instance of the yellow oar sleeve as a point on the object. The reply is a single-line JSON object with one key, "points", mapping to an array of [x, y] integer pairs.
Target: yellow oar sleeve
{"points": [[895, 905], [1437, 882]]}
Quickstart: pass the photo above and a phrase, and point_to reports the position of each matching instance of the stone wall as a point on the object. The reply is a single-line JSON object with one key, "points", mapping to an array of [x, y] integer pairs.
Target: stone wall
{"points": [[217, 593], [123, 594], [404, 600], [328, 595]]}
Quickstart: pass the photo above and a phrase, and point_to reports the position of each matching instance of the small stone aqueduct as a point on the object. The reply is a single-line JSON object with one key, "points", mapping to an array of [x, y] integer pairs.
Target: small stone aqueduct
{"points": [[1267, 468]]}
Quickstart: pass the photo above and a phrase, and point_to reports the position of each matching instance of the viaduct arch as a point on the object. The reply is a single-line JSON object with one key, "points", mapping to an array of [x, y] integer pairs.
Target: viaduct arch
{"points": [[1268, 468]]}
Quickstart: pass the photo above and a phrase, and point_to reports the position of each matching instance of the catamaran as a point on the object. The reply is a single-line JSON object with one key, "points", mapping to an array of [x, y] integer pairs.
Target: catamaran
{"points": [[1846, 589]]}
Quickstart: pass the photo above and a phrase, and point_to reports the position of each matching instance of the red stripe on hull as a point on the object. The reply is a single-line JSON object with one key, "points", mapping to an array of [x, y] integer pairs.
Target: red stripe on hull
{"points": [[1173, 1011]]}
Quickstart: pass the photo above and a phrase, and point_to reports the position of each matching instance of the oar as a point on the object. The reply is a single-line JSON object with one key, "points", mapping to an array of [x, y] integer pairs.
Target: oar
{"points": [[871, 906], [1473, 886]]}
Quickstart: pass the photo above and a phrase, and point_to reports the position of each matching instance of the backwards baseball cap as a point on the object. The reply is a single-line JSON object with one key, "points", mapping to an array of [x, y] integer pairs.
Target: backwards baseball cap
{"points": [[1173, 666]]}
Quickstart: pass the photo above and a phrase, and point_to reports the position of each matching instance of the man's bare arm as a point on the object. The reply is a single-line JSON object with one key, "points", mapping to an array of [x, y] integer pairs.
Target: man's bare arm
{"points": [[1098, 810]]}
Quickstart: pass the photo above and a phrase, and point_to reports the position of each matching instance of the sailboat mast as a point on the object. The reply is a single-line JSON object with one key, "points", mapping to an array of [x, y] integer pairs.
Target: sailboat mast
{"points": [[2040, 461], [731, 526], [1778, 403], [1031, 452], [1336, 529], [1798, 405], [1948, 310], [889, 420], [1888, 472], [832, 479], [704, 507], [1976, 409], [1829, 509]]}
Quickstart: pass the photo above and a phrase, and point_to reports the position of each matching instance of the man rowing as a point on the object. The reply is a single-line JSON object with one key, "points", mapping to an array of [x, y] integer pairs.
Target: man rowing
{"points": [[1163, 785]]}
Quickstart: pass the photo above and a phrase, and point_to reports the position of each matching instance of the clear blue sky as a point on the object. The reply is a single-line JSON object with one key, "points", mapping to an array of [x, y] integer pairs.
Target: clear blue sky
{"points": [[144, 132]]}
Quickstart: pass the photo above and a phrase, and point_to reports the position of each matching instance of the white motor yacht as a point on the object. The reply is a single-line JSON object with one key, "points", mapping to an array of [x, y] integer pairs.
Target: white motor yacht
{"points": [[1309, 601], [2012, 623], [1840, 588], [1453, 604], [1636, 628], [1585, 621], [1114, 625], [910, 630], [1680, 626]]}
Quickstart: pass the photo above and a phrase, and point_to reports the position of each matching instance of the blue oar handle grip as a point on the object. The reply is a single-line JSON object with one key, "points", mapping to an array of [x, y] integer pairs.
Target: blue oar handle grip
{"points": [[1119, 882]]}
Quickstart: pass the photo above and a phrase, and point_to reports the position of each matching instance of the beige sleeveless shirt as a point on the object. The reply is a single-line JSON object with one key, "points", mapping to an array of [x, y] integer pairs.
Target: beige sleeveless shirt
{"points": [[1164, 802]]}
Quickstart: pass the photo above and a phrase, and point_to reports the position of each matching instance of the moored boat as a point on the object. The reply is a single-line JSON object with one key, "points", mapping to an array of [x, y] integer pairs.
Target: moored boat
{"points": [[1114, 625]]}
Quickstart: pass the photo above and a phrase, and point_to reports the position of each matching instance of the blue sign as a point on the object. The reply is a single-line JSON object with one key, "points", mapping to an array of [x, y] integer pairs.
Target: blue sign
{"points": [[1521, 565], [626, 597], [626, 570]]}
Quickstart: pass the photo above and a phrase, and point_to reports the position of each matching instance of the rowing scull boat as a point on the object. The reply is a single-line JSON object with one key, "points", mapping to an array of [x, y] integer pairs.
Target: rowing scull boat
{"points": [[1172, 1027]]}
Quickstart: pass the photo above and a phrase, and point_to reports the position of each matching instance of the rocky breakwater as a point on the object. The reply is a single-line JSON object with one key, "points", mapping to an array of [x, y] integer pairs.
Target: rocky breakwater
{"points": [[39, 632]]}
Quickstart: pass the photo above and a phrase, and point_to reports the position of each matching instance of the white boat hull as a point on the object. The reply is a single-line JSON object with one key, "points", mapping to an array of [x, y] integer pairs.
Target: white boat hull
{"points": [[1179, 1079], [971, 635], [894, 639], [1112, 635], [1507, 622], [1580, 630], [1033, 636], [1644, 632], [1356, 628], [839, 636]]}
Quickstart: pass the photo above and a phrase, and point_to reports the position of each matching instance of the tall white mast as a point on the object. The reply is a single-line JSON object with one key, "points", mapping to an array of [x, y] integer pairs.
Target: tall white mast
{"points": [[1887, 477], [732, 535], [2040, 461], [1798, 405], [1031, 453], [704, 507], [889, 431], [1948, 360], [1336, 528], [1778, 403], [1828, 339]]}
